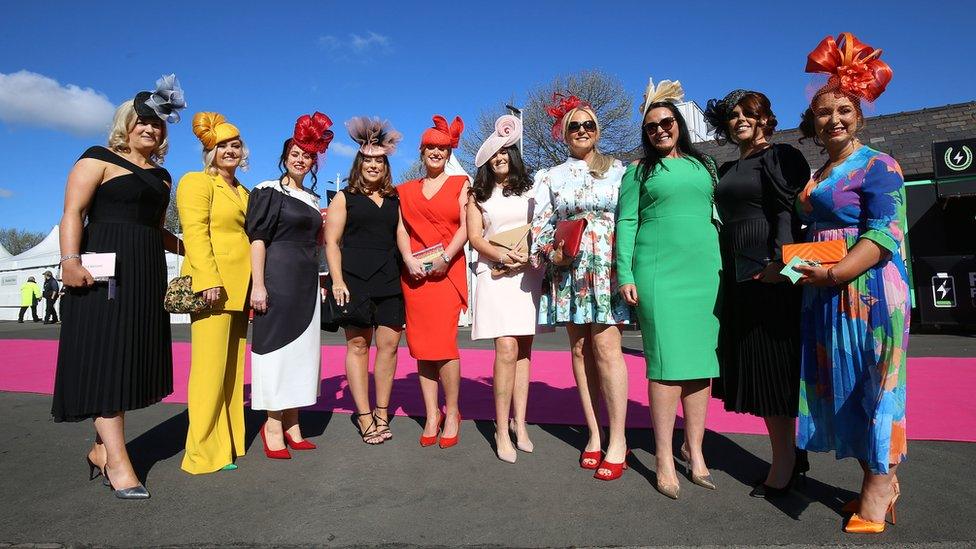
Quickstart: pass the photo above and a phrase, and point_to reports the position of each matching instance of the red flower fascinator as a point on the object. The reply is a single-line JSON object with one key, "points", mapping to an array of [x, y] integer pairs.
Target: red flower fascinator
{"points": [[442, 134], [312, 133], [561, 105], [853, 67]]}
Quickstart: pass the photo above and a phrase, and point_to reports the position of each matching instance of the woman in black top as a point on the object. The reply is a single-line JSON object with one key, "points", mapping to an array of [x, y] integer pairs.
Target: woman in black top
{"points": [[759, 336], [360, 246]]}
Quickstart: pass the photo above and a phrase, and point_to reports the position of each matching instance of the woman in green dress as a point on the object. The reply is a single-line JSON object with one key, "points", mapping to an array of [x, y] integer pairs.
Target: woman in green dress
{"points": [[668, 264]]}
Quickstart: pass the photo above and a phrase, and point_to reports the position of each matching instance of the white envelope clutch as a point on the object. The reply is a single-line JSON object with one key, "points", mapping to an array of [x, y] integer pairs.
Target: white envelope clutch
{"points": [[101, 266]]}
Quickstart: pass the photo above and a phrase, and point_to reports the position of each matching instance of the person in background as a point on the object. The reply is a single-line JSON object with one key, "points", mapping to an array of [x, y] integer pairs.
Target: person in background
{"points": [[30, 293], [51, 292]]}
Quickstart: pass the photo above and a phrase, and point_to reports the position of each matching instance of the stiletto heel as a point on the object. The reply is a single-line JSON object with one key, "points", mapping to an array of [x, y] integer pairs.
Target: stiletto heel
{"points": [[94, 471], [136, 492], [524, 446], [303, 445], [382, 425], [506, 457], [447, 442], [705, 481], [273, 454], [860, 525], [426, 441]]}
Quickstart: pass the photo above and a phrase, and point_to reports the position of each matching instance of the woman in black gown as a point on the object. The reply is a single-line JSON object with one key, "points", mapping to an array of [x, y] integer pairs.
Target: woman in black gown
{"points": [[114, 353], [759, 335]]}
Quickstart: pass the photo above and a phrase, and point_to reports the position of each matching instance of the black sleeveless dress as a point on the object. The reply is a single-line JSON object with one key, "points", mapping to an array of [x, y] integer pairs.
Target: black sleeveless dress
{"points": [[115, 354]]}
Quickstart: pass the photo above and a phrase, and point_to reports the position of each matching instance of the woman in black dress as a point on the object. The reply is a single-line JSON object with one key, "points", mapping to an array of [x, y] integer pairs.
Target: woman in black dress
{"points": [[114, 353], [759, 335], [360, 244]]}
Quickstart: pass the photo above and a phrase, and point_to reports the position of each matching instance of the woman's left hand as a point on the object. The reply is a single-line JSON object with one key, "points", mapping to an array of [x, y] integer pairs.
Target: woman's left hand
{"points": [[814, 275], [771, 274], [439, 268]]}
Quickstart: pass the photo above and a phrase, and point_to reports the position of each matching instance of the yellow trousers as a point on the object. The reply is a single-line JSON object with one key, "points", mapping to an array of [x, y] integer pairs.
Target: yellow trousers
{"points": [[215, 392]]}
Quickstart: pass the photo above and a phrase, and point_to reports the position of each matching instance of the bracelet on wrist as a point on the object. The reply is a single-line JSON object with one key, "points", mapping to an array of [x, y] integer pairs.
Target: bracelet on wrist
{"points": [[69, 256], [832, 277]]}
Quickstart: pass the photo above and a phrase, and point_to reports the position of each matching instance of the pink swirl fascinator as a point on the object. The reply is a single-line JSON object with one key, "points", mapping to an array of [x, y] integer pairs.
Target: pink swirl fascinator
{"points": [[508, 131], [375, 137]]}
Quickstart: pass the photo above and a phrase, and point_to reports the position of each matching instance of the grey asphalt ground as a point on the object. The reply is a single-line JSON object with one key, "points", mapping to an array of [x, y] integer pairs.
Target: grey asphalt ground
{"points": [[399, 494]]}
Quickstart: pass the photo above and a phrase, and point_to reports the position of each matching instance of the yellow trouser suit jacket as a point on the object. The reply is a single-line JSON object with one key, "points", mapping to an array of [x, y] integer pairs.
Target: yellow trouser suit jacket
{"points": [[218, 252]]}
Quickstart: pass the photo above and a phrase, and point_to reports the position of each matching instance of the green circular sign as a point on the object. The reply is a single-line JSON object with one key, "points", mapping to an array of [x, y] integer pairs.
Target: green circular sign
{"points": [[959, 161]]}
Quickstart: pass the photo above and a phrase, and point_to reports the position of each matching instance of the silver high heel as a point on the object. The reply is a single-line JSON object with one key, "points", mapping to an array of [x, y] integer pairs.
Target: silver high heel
{"points": [[136, 492], [705, 481]]}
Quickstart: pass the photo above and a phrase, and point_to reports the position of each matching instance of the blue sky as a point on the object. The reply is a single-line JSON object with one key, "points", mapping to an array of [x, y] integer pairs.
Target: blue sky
{"points": [[264, 66]]}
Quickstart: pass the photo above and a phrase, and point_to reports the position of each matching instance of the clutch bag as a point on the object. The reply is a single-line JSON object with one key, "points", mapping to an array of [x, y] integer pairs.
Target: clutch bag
{"points": [[512, 240], [826, 253], [570, 233], [749, 262], [358, 311], [180, 297], [428, 255]]}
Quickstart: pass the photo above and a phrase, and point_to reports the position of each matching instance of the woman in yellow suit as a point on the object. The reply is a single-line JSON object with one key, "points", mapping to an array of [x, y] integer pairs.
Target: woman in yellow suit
{"points": [[212, 204]]}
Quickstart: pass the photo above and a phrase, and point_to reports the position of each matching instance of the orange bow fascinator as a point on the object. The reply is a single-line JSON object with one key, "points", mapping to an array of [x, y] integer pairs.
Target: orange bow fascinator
{"points": [[442, 135], [853, 66]]}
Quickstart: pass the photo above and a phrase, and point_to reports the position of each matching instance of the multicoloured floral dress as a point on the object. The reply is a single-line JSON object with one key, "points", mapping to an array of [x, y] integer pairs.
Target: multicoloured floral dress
{"points": [[855, 336], [586, 291]]}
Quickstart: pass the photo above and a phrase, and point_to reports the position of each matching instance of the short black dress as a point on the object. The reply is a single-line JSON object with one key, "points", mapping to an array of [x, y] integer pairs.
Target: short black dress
{"points": [[759, 338], [370, 259], [115, 353]]}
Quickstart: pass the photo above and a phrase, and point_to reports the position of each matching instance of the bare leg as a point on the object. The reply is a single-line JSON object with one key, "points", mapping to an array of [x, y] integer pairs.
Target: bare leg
{"points": [[520, 392], [503, 386], [384, 370], [694, 402], [664, 397], [289, 422], [451, 383], [358, 341], [111, 430], [274, 430], [877, 493], [613, 380], [97, 454], [581, 346], [429, 373], [782, 442]]}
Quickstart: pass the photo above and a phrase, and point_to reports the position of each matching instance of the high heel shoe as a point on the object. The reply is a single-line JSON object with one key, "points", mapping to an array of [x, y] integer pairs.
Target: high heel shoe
{"points": [[273, 454], [670, 491], [507, 457], [301, 445], [590, 460], [613, 471], [705, 481], [859, 525], [426, 441], [447, 442], [135, 492], [94, 471], [523, 445], [800, 468], [382, 425], [854, 505]]}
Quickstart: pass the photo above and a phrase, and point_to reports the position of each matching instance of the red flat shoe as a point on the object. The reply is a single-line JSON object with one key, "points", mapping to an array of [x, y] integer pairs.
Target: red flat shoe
{"points": [[303, 445], [596, 456], [426, 441], [447, 442], [613, 470], [273, 454]]}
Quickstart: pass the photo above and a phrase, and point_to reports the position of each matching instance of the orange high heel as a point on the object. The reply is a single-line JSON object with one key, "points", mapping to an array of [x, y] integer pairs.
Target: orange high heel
{"points": [[859, 525], [447, 442], [614, 470], [854, 505], [594, 457], [426, 441]]}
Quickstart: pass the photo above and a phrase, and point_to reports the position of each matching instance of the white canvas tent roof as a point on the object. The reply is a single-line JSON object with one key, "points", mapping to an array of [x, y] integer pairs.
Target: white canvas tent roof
{"points": [[46, 253]]}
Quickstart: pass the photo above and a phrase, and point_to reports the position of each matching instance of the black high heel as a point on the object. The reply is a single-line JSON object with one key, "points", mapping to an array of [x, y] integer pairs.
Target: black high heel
{"points": [[801, 466], [94, 471]]}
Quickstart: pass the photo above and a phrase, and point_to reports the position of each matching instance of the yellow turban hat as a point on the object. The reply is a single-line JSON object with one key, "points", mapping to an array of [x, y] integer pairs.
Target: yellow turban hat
{"points": [[212, 128]]}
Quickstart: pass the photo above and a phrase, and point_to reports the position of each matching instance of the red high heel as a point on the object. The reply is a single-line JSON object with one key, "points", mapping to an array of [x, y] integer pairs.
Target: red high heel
{"points": [[596, 456], [303, 445], [426, 441], [273, 454], [447, 442], [615, 469]]}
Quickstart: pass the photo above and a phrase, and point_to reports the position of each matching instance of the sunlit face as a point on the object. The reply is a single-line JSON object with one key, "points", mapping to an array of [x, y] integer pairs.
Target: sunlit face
{"points": [[744, 126], [229, 154], [435, 158], [373, 170], [663, 130], [147, 134], [298, 162], [835, 119], [581, 133], [499, 164]]}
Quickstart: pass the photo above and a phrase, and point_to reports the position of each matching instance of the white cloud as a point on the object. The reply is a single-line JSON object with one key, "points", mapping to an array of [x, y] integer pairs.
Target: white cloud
{"points": [[32, 99], [357, 44], [6, 193], [341, 149]]}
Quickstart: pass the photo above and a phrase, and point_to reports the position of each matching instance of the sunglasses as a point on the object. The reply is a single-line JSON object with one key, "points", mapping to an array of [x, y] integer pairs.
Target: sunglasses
{"points": [[665, 124], [588, 125]]}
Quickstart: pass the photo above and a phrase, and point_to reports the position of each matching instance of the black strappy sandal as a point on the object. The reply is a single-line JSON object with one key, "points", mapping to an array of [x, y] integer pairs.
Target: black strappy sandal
{"points": [[370, 433], [383, 425]]}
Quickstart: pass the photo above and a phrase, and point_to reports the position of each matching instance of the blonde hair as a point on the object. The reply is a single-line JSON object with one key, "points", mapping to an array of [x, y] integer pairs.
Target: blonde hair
{"points": [[599, 163], [123, 123], [210, 155]]}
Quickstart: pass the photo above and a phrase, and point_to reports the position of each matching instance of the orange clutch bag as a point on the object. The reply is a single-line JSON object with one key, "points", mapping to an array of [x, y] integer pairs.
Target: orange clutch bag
{"points": [[827, 253]]}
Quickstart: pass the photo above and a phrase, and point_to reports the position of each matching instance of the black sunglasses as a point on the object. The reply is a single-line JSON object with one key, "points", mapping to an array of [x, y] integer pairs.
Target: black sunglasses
{"points": [[665, 124], [587, 125]]}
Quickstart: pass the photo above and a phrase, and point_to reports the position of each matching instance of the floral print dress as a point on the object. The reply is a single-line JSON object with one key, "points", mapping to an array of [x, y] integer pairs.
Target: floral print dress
{"points": [[586, 291], [855, 335]]}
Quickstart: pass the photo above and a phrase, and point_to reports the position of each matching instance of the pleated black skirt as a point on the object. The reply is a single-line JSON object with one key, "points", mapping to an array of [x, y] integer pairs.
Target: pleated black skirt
{"points": [[115, 354], [759, 339]]}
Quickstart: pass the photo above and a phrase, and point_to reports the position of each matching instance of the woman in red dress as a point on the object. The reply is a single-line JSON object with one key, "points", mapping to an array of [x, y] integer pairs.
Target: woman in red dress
{"points": [[435, 289]]}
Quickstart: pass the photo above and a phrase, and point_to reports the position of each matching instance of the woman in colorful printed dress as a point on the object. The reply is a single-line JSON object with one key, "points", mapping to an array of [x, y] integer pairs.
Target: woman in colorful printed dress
{"points": [[855, 315], [669, 265], [581, 292], [506, 296]]}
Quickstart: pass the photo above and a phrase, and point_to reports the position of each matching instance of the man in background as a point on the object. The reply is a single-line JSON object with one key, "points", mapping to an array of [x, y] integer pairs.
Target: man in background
{"points": [[30, 294], [51, 291]]}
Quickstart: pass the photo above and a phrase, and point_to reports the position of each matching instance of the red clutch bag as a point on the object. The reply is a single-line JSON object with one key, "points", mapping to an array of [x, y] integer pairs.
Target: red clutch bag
{"points": [[570, 232]]}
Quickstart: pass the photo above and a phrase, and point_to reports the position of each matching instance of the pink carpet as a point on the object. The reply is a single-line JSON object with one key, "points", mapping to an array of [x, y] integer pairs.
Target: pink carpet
{"points": [[940, 406]]}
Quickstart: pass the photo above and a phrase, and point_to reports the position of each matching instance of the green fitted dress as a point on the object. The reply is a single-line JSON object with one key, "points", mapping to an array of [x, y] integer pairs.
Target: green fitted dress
{"points": [[668, 247]]}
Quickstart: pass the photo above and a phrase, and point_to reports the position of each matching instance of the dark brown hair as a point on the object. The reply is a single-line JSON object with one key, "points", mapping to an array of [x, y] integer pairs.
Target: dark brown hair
{"points": [[518, 180], [313, 171], [808, 127], [754, 105], [357, 183]]}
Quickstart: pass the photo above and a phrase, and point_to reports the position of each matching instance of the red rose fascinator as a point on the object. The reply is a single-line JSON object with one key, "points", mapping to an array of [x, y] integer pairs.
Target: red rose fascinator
{"points": [[561, 105], [442, 135], [853, 67], [312, 133]]}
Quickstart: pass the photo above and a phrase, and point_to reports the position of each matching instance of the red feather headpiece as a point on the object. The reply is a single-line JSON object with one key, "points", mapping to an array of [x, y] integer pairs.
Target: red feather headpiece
{"points": [[853, 66], [442, 135], [312, 133], [561, 105]]}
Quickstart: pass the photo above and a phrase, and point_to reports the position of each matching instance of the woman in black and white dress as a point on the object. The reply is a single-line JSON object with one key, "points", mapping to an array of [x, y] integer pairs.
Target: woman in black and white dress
{"points": [[284, 224]]}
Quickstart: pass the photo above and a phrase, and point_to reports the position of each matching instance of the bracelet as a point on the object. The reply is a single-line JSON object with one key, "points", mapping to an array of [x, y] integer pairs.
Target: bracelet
{"points": [[832, 277], [67, 257], [446, 258]]}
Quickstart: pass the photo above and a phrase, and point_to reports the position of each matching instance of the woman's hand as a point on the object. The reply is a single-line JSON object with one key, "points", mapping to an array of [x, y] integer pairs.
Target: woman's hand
{"points": [[814, 275], [341, 293], [771, 274], [629, 293], [259, 299], [440, 267], [212, 295], [73, 275], [559, 259], [514, 260], [415, 267]]}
